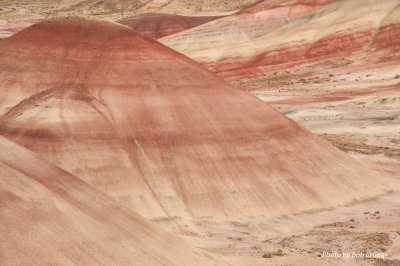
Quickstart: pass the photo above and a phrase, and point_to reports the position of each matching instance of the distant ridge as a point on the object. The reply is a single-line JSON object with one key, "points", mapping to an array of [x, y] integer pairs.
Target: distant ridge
{"points": [[158, 25], [212, 44], [366, 29]]}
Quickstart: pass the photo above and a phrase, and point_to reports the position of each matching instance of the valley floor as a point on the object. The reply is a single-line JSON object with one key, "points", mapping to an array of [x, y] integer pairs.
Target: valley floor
{"points": [[356, 111]]}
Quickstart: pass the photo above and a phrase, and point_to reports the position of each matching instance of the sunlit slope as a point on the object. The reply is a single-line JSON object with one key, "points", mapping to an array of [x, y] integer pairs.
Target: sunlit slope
{"points": [[49, 217], [160, 134]]}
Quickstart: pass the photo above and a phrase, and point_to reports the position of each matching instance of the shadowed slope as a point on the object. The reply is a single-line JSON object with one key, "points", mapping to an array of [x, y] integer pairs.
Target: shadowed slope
{"points": [[160, 134], [339, 29], [153, 25], [49, 217]]}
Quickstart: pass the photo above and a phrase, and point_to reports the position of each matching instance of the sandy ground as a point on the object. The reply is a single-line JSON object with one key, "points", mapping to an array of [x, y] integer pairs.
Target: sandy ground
{"points": [[368, 231], [114, 9], [356, 110]]}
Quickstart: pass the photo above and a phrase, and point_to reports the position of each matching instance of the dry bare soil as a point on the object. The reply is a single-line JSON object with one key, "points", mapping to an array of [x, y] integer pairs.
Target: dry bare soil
{"points": [[353, 106]]}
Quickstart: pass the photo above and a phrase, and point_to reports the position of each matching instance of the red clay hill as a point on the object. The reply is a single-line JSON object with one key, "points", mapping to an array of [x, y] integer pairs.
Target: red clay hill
{"points": [[211, 43], [365, 29], [159, 133], [49, 217]]}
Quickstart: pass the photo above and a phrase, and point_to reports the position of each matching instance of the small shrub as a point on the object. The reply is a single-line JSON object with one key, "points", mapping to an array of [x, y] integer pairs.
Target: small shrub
{"points": [[279, 253], [269, 255]]}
